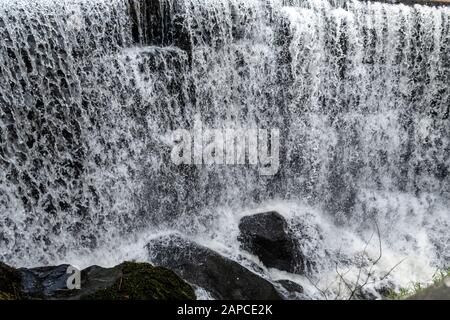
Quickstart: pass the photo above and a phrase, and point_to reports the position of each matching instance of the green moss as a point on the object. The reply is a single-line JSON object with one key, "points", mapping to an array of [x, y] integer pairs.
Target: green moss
{"points": [[441, 275], [10, 283], [142, 281], [402, 293], [6, 296], [417, 287]]}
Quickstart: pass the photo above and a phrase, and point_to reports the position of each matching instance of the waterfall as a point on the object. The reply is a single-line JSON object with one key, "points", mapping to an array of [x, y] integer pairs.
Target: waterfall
{"points": [[91, 89]]}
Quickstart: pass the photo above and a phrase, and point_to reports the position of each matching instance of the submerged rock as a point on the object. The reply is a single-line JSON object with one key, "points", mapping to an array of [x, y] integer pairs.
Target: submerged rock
{"points": [[205, 268], [267, 236], [127, 281]]}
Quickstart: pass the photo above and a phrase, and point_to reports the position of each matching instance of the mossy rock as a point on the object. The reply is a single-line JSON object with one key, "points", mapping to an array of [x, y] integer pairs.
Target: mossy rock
{"points": [[10, 283], [142, 281], [438, 291], [127, 281], [221, 277], [6, 296]]}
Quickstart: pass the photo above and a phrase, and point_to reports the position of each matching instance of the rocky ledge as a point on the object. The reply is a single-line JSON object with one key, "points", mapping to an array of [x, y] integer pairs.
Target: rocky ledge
{"points": [[182, 266], [127, 281]]}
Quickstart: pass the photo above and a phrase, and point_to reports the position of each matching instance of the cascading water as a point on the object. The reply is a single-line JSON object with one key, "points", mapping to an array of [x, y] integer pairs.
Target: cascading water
{"points": [[90, 89]]}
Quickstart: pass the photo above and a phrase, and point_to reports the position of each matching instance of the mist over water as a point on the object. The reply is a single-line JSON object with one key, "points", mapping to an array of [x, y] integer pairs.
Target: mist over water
{"points": [[360, 91]]}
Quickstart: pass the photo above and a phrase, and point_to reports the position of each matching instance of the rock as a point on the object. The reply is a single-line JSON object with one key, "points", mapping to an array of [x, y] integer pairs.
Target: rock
{"points": [[424, 2], [223, 278], [135, 281], [44, 282], [157, 22], [439, 291], [267, 235], [291, 286], [10, 283], [294, 290], [127, 281], [6, 296]]}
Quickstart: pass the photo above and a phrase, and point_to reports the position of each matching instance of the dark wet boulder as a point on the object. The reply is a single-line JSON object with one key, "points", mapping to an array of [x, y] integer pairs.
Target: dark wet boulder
{"points": [[221, 277], [127, 281], [267, 235]]}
